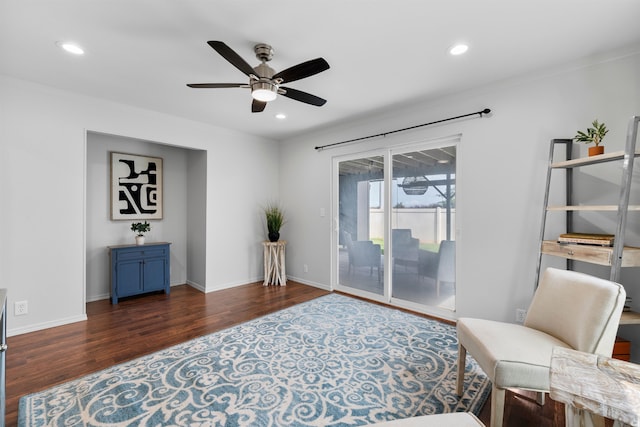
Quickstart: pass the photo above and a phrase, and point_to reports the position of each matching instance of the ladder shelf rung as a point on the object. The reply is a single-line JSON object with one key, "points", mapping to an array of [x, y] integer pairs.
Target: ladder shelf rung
{"points": [[592, 160], [630, 318], [601, 255], [613, 208]]}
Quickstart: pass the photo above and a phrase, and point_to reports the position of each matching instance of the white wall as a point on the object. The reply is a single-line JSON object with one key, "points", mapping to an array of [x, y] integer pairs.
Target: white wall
{"points": [[196, 219], [500, 181], [502, 165], [42, 195], [103, 232]]}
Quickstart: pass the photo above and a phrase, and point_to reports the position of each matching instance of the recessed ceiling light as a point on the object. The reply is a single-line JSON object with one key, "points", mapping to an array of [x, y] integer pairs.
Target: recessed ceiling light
{"points": [[71, 47], [281, 116], [459, 49]]}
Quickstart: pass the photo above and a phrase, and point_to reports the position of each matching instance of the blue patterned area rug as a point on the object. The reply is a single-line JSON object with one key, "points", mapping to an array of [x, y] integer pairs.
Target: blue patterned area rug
{"points": [[332, 361]]}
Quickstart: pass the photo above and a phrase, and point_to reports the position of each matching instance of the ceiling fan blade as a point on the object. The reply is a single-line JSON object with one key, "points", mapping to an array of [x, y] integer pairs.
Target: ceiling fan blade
{"points": [[301, 96], [301, 71], [215, 85], [258, 106], [230, 55]]}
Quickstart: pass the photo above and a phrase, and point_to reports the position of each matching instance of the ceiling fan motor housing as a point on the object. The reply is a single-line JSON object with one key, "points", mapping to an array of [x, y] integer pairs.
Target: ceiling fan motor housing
{"points": [[263, 51], [264, 89], [263, 71]]}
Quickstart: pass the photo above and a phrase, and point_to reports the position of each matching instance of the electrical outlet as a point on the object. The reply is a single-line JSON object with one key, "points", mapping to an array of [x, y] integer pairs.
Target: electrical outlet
{"points": [[520, 315], [20, 308], [305, 268]]}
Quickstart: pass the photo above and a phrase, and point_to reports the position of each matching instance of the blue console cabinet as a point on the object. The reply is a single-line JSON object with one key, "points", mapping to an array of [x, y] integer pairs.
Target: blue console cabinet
{"points": [[138, 269]]}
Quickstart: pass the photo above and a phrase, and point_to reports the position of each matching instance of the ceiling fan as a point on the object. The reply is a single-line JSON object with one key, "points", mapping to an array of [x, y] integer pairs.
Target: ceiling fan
{"points": [[264, 82]]}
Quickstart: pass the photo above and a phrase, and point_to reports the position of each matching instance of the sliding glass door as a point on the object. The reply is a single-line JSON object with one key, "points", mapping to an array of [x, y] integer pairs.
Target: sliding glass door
{"points": [[422, 226], [396, 225], [361, 236]]}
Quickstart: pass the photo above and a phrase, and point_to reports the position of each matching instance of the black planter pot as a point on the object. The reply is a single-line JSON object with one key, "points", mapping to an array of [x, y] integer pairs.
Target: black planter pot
{"points": [[274, 236]]}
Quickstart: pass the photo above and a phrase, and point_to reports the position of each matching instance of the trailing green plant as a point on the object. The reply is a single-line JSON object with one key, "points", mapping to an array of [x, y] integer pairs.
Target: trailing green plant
{"points": [[274, 216], [140, 227], [593, 134]]}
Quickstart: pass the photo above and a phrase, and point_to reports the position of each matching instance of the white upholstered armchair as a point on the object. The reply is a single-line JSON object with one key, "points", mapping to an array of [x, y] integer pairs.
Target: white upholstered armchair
{"points": [[569, 309]]}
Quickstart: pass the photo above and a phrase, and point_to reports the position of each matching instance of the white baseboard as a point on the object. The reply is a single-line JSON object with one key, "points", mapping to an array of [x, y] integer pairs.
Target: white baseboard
{"points": [[45, 325], [100, 297], [310, 283], [196, 286], [229, 285]]}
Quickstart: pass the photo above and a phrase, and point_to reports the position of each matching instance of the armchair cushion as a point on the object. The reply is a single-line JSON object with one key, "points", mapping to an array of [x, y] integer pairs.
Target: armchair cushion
{"points": [[516, 355]]}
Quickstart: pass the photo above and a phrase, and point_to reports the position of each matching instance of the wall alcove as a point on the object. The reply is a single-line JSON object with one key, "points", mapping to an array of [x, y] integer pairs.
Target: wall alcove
{"points": [[184, 206]]}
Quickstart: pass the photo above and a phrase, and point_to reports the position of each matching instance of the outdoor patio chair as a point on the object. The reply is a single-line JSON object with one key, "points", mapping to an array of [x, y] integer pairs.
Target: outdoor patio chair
{"points": [[405, 248], [440, 266], [363, 253], [446, 272]]}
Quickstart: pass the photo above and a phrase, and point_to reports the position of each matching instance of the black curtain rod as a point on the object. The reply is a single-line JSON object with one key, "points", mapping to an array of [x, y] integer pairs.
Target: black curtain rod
{"points": [[485, 111]]}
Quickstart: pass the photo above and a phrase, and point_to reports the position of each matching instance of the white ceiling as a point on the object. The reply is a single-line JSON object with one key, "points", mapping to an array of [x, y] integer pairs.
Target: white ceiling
{"points": [[382, 54]]}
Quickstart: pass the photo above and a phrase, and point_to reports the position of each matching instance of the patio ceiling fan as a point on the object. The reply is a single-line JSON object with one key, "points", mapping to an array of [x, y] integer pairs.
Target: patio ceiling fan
{"points": [[264, 82]]}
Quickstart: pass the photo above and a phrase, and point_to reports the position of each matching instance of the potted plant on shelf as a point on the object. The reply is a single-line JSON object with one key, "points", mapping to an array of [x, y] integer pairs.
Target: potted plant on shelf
{"points": [[140, 228], [593, 135], [275, 219]]}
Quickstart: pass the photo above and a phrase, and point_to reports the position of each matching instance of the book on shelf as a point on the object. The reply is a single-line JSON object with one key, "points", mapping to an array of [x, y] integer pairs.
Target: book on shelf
{"points": [[627, 304], [587, 239]]}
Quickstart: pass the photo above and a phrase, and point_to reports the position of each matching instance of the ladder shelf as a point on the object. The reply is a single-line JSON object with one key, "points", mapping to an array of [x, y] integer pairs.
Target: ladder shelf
{"points": [[616, 256]]}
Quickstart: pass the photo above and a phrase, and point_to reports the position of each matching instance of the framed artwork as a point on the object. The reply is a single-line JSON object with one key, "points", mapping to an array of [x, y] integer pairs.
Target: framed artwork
{"points": [[136, 187]]}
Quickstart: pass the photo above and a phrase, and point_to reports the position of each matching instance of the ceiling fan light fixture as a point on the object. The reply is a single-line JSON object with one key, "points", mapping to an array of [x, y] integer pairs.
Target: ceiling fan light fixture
{"points": [[264, 91]]}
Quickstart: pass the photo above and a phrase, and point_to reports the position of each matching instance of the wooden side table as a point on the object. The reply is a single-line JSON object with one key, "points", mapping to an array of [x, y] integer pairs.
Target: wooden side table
{"points": [[592, 387], [274, 268]]}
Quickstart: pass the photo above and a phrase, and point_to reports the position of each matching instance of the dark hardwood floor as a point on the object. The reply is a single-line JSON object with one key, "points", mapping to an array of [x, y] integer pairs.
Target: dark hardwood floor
{"points": [[142, 325]]}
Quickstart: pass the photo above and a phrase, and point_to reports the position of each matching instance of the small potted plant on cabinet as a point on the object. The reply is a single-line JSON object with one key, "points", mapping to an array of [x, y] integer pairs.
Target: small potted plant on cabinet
{"points": [[593, 135], [275, 219], [140, 228]]}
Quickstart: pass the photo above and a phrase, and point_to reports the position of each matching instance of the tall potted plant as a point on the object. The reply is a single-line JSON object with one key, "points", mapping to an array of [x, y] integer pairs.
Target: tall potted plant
{"points": [[274, 217], [593, 135], [140, 228]]}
